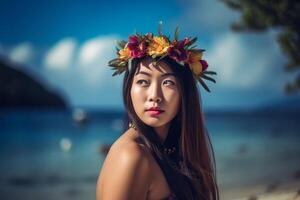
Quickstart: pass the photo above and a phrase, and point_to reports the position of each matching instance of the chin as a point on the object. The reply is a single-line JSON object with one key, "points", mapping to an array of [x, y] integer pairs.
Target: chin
{"points": [[155, 122]]}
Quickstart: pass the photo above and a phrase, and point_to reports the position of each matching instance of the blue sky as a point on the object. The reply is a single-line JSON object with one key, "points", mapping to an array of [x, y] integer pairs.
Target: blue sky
{"points": [[68, 45]]}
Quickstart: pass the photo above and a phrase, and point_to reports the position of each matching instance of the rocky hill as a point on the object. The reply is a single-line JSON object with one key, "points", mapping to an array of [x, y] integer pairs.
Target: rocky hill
{"points": [[19, 89]]}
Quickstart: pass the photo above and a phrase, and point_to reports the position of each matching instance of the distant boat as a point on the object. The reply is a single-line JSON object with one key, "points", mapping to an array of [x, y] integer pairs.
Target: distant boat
{"points": [[79, 116], [65, 144]]}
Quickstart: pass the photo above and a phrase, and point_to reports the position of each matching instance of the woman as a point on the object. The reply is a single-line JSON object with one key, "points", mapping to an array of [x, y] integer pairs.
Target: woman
{"points": [[166, 153]]}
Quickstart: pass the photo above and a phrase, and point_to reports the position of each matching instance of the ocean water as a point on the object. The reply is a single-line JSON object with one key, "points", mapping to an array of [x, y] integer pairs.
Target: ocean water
{"points": [[46, 155]]}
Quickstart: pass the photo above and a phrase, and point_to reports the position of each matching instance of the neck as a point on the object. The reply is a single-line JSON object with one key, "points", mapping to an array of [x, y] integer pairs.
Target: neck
{"points": [[162, 132]]}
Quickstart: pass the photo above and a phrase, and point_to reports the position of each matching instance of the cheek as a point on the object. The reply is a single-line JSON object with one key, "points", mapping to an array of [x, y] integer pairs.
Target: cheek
{"points": [[137, 96], [172, 99]]}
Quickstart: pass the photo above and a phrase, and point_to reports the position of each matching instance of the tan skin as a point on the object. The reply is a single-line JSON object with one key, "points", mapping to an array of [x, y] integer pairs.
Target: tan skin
{"points": [[129, 171]]}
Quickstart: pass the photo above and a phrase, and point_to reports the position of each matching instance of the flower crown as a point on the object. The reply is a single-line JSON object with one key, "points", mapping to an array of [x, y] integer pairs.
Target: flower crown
{"points": [[181, 51]]}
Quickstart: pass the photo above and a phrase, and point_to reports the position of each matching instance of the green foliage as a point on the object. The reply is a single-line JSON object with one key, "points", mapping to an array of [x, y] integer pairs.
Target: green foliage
{"points": [[260, 15], [191, 42], [207, 78], [203, 84], [210, 72], [121, 44]]}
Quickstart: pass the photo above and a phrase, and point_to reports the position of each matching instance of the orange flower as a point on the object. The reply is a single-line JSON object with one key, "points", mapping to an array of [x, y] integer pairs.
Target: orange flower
{"points": [[124, 54], [158, 46], [194, 61]]}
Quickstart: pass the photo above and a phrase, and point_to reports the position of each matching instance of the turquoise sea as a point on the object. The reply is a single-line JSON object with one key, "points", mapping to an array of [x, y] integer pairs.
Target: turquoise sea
{"points": [[45, 155]]}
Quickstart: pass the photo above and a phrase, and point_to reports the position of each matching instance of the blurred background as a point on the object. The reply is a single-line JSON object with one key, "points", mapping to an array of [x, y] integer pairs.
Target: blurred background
{"points": [[60, 106]]}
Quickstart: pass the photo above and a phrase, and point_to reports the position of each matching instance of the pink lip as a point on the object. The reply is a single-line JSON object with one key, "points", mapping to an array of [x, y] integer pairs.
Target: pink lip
{"points": [[154, 112]]}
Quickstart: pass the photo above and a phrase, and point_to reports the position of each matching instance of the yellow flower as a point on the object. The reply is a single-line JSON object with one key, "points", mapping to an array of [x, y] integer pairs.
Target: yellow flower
{"points": [[158, 46], [124, 54], [194, 62]]}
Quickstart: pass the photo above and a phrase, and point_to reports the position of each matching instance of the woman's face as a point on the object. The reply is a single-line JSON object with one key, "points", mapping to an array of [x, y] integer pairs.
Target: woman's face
{"points": [[155, 93]]}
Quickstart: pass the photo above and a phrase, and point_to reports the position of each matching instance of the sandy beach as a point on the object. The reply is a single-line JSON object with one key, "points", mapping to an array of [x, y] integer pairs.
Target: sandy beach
{"points": [[277, 191]]}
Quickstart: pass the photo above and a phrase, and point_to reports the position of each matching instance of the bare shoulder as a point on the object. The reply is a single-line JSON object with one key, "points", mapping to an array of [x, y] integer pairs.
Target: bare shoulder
{"points": [[125, 171], [128, 149]]}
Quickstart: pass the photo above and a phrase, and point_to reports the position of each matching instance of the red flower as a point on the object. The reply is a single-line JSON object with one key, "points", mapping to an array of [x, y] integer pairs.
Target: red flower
{"points": [[136, 46], [177, 50], [204, 65]]}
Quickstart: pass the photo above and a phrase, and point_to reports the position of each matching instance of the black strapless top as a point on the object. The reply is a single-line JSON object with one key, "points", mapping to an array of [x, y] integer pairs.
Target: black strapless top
{"points": [[170, 197]]}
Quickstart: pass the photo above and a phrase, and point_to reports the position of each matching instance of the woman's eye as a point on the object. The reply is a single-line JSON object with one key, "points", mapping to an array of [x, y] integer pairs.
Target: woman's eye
{"points": [[169, 82], [142, 82]]}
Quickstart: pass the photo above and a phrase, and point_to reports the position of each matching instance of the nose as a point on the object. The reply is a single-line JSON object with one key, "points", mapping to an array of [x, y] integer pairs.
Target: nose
{"points": [[155, 93]]}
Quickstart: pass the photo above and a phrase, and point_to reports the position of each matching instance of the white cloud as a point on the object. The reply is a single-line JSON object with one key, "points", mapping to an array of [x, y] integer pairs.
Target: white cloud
{"points": [[93, 57], [221, 56], [22, 53], [89, 81], [94, 49], [244, 63], [61, 55]]}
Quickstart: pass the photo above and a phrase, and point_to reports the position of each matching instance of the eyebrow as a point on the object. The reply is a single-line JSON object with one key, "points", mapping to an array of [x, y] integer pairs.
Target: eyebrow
{"points": [[163, 75]]}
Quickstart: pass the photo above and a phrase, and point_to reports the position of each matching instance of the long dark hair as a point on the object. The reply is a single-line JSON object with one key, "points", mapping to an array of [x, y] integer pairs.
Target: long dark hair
{"points": [[191, 171]]}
